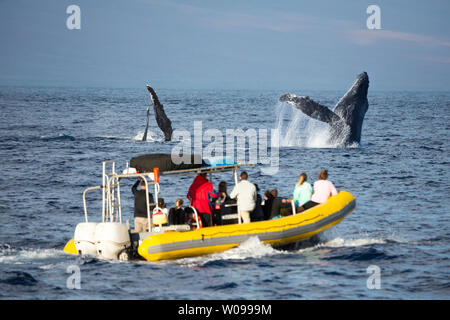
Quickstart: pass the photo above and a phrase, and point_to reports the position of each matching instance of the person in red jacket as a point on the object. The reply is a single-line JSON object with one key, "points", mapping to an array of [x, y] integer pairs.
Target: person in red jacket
{"points": [[200, 194]]}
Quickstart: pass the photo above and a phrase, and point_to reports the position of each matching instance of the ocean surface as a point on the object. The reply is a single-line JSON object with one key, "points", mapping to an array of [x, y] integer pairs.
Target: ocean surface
{"points": [[53, 142]]}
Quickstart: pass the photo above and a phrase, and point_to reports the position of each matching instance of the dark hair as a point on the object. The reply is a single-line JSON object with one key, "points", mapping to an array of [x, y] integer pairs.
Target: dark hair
{"points": [[161, 202], [274, 193], [305, 177], [323, 175], [244, 175], [222, 186]]}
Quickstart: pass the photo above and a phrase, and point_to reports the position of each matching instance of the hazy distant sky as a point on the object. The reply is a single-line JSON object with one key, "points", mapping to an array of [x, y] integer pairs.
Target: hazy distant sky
{"points": [[258, 44]]}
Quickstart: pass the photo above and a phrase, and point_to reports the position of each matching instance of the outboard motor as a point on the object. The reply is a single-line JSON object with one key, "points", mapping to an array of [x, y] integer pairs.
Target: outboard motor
{"points": [[84, 238], [111, 239]]}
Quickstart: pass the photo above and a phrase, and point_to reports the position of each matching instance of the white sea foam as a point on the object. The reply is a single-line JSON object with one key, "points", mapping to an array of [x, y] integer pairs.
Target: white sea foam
{"points": [[26, 255], [251, 248], [342, 243], [151, 136]]}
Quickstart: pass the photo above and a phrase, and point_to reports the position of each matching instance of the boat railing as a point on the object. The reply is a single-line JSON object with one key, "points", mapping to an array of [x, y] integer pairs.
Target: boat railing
{"points": [[111, 198], [196, 217], [293, 207], [84, 199], [143, 176]]}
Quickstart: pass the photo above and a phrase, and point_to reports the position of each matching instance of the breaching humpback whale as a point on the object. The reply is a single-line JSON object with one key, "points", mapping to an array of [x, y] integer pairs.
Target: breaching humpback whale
{"points": [[347, 117], [161, 118]]}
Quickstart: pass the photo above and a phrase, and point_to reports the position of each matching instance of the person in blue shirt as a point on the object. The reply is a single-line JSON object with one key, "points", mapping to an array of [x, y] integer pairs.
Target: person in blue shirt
{"points": [[302, 192]]}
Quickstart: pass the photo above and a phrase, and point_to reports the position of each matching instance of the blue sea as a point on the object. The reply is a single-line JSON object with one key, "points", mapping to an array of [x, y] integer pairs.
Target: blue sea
{"points": [[53, 142]]}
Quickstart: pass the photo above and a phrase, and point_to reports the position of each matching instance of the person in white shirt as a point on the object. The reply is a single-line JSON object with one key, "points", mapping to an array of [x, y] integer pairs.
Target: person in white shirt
{"points": [[245, 192]]}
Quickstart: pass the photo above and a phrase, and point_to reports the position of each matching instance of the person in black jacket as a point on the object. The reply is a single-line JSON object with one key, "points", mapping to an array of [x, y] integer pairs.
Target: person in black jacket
{"points": [[177, 215], [277, 204], [219, 208], [267, 207], [140, 206], [257, 214]]}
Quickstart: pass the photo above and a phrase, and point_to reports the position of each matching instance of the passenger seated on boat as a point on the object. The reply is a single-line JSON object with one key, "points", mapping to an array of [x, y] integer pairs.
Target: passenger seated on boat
{"points": [[302, 193], [323, 189], [200, 194], [140, 206], [190, 218], [163, 206], [277, 205], [219, 206], [267, 206], [177, 215], [257, 214]]}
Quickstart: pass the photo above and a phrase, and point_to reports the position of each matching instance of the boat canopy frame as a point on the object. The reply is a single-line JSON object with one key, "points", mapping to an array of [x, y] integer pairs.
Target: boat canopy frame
{"points": [[110, 187]]}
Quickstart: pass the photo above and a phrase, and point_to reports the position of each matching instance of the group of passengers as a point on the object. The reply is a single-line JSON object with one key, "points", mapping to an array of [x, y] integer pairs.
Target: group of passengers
{"points": [[212, 205]]}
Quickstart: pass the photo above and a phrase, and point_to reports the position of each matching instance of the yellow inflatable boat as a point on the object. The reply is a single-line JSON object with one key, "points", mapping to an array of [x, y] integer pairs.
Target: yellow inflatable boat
{"points": [[277, 232], [110, 238]]}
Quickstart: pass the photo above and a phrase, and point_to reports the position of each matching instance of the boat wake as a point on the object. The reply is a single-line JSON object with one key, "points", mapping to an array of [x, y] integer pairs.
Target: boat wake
{"points": [[342, 243], [10, 255], [251, 248]]}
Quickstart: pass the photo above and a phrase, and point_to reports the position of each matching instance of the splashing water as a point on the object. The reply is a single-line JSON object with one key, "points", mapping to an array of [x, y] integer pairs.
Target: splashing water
{"points": [[251, 248], [298, 130], [151, 136]]}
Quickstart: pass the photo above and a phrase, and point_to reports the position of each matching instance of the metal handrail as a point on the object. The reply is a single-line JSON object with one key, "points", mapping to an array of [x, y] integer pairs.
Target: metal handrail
{"points": [[143, 177], [196, 217], [84, 199], [111, 197]]}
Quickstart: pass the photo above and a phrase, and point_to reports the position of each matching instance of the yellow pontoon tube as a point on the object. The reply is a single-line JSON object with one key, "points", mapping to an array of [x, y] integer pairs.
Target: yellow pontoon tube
{"points": [[174, 245]]}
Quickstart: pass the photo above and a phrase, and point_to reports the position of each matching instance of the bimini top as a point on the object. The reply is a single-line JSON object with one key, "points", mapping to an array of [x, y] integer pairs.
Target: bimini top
{"points": [[195, 164]]}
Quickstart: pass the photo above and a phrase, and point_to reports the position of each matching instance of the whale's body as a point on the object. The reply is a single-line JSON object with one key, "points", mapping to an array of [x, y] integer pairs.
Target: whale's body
{"points": [[162, 120], [347, 117]]}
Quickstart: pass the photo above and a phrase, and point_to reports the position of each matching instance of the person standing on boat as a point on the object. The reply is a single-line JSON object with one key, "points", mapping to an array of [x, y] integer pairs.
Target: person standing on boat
{"points": [[323, 189], [245, 192], [140, 206], [200, 194]]}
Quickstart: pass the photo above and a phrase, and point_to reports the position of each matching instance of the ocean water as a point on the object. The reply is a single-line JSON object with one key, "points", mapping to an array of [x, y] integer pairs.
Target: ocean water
{"points": [[53, 141]]}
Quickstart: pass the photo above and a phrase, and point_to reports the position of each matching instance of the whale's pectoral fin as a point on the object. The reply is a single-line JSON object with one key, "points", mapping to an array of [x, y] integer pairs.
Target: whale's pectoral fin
{"points": [[144, 138], [161, 118], [310, 108]]}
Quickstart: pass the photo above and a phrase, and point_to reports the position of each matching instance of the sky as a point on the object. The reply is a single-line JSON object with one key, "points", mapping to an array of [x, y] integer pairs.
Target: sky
{"points": [[258, 44]]}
